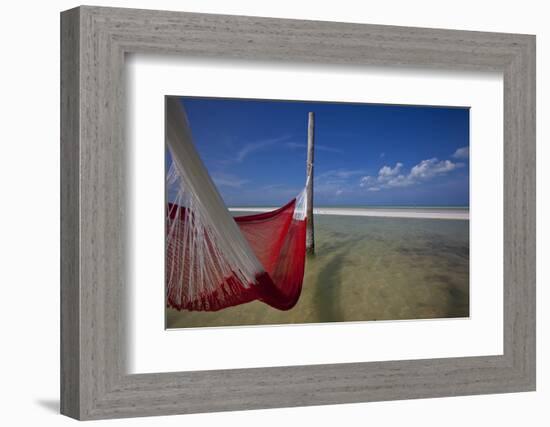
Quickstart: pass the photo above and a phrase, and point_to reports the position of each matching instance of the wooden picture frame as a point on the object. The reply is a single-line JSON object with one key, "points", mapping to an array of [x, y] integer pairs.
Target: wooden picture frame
{"points": [[94, 382]]}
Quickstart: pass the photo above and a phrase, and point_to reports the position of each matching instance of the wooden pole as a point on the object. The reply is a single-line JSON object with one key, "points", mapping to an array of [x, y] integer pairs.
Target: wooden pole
{"points": [[310, 241]]}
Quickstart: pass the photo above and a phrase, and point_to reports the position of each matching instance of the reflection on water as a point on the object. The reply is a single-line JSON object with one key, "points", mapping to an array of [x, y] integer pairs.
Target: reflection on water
{"points": [[368, 268]]}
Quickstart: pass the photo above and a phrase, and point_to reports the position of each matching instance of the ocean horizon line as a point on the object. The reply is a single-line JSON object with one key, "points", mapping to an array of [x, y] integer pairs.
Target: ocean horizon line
{"points": [[383, 212], [274, 205]]}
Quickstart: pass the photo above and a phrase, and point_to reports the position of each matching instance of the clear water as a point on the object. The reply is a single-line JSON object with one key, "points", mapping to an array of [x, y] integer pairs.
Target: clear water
{"points": [[367, 269]]}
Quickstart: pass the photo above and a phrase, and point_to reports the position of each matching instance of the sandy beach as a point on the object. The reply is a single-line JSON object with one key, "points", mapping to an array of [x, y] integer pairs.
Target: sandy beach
{"points": [[420, 213]]}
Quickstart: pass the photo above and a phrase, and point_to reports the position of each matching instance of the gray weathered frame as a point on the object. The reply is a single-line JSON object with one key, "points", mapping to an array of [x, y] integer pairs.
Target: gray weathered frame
{"points": [[94, 42]]}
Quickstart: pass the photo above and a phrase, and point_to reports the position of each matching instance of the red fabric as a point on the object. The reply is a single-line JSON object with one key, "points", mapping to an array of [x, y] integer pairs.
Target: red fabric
{"points": [[278, 241]]}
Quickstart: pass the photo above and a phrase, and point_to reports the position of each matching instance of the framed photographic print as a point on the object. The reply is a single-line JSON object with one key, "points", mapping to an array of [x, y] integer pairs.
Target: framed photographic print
{"points": [[261, 213], [383, 241]]}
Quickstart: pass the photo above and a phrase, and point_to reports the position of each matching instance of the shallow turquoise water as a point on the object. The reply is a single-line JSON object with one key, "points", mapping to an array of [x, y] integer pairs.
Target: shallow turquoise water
{"points": [[368, 268]]}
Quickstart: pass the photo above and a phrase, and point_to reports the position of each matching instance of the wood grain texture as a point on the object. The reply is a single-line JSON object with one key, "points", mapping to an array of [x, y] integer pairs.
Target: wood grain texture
{"points": [[95, 236], [70, 297]]}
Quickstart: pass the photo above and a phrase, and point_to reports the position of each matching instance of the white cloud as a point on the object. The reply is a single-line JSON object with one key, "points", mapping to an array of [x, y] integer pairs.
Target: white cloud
{"points": [[462, 153], [339, 181], [432, 167], [389, 177], [365, 181], [400, 181], [387, 171]]}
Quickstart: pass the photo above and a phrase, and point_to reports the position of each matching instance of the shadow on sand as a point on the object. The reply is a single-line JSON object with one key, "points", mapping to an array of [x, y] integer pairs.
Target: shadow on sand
{"points": [[329, 284]]}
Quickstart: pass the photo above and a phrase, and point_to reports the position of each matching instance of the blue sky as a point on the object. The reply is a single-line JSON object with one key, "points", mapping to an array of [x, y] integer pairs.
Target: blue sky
{"points": [[365, 154]]}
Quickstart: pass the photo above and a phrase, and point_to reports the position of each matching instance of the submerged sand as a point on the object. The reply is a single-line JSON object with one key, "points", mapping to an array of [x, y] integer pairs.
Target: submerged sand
{"points": [[368, 268]]}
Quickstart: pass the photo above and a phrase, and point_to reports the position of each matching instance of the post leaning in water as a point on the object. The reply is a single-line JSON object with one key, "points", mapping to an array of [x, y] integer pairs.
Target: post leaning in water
{"points": [[310, 241]]}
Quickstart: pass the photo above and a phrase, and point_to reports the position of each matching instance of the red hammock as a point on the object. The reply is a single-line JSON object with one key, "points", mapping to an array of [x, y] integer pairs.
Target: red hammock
{"points": [[277, 238]]}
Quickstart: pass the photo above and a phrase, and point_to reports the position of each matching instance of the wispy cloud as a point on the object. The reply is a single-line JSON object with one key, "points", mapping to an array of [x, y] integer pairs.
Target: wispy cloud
{"points": [[340, 173], [327, 148], [336, 182], [390, 177], [462, 153], [320, 147], [241, 155], [269, 195], [295, 145], [222, 179], [272, 186]]}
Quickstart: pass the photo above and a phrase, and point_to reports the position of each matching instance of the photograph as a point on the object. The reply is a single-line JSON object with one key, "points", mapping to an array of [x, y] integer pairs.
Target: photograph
{"points": [[307, 212]]}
